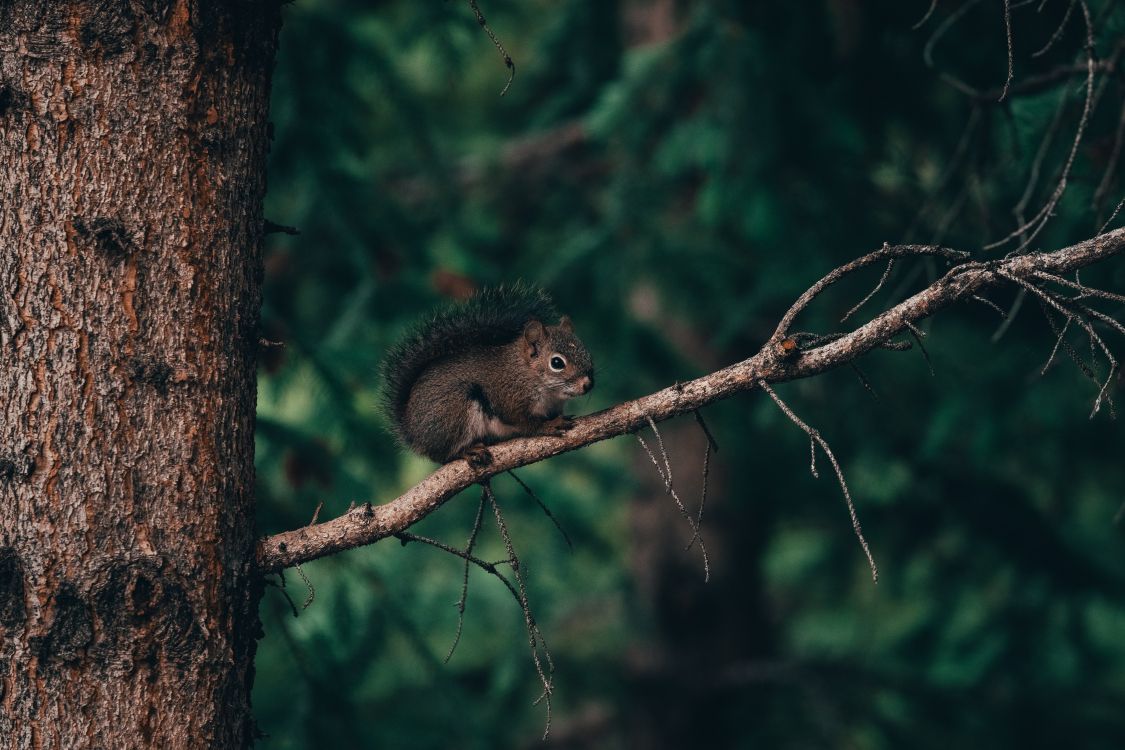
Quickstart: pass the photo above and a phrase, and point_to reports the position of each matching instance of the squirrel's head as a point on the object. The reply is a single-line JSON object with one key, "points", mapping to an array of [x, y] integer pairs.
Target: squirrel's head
{"points": [[559, 358]]}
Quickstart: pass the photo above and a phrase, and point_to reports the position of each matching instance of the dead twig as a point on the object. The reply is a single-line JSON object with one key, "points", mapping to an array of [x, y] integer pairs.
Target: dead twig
{"points": [[280, 586], [269, 227], [711, 446], [929, 12], [989, 304], [815, 436], [544, 508], [706, 430], [1061, 306], [544, 665], [918, 334], [1011, 49], [887, 252], [666, 477], [1030, 230], [1103, 188], [1058, 31], [882, 280], [496, 42], [864, 381], [465, 580]]}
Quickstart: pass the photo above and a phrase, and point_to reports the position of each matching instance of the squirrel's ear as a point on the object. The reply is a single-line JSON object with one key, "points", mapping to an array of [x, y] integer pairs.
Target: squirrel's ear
{"points": [[533, 334], [565, 324], [533, 331]]}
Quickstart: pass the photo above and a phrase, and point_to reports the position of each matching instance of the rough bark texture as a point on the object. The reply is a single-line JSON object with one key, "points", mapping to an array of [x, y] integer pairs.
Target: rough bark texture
{"points": [[132, 161], [776, 362]]}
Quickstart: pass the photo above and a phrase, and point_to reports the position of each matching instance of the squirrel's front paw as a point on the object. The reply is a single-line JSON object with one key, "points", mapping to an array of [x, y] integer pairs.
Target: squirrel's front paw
{"points": [[558, 426], [478, 456]]}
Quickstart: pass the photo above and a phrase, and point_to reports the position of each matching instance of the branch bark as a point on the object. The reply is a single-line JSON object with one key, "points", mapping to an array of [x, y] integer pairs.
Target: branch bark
{"points": [[778, 361]]}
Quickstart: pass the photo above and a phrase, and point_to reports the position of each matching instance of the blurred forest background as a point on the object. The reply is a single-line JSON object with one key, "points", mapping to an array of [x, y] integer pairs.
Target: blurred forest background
{"points": [[676, 173]]}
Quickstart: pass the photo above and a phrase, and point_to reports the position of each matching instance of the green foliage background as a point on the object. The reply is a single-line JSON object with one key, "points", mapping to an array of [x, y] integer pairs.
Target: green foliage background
{"points": [[676, 174]]}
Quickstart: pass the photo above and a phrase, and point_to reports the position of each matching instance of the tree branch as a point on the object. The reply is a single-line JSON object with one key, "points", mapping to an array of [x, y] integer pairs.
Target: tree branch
{"points": [[781, 359]]}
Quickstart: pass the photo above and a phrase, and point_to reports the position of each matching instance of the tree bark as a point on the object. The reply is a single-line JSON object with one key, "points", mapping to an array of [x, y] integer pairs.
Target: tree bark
{"points": [[133, 136]]}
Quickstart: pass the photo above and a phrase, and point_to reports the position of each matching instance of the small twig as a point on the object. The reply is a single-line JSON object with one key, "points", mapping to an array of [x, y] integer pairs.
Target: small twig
{"points": [[1113, 215], [917, 333], [1010, 318], [499, 47], [1011, 53], [465, 581], [887, 252], [1058, 31], [535, 636], [1099, 315], [489, 567], [702, 497], [281, 587], [667, 474], [300, 571], [1103, 190], [1029, 231], [896, 346], [706, 431], [1060, 306], [1086, 291], [270, 227], [544, 508], [712, 446], [814, 435], [1040, 156], [308, 583], [1058, 343], [990, 304], [812, 457], [863, 379], [873, 292], [666, 477], [929, 12], [1071, 352]]}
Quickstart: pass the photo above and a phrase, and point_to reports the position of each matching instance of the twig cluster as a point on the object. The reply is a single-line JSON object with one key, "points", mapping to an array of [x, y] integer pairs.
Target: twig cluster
{"points": [[540, 654], [1086, 64]]}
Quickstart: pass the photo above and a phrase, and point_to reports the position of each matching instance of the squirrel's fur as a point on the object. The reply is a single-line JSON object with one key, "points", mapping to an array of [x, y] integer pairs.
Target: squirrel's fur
{"points": [[490, 317], [483, 370]]}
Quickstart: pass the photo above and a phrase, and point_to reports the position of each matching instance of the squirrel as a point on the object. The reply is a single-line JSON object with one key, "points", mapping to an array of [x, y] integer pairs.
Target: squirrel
{"points": [[484, 370]]}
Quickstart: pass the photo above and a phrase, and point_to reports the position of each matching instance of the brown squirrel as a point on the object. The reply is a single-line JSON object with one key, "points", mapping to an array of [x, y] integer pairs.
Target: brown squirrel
{"points": [[482, 371]]}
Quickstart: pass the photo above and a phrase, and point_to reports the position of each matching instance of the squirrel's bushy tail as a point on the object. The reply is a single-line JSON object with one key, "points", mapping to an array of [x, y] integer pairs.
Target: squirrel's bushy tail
{"points": [[491, 317]]}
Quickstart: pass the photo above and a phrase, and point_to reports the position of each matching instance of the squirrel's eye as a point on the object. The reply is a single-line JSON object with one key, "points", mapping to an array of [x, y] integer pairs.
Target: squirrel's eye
{"points": [[558, 363]]}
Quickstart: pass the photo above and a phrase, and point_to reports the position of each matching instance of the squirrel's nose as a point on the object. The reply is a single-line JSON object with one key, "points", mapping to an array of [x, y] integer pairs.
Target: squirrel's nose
{"points": [[586, 383]]}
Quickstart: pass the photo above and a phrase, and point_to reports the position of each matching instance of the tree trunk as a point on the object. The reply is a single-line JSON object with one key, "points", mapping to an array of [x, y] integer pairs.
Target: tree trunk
{"points": [[133, 136]]}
